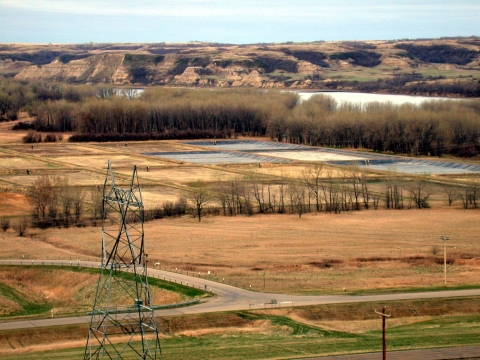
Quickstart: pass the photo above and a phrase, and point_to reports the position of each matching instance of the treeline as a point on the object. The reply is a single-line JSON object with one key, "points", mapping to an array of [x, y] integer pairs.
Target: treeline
{"points": [[101, 114], [435, 128], [55, 202], [168, 135], [187, 113], [16, 96], [432, 128], [316, 189]]}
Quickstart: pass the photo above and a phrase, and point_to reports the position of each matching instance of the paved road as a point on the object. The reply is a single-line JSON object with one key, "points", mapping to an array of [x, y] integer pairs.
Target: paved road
{"points": [[227, 298]]}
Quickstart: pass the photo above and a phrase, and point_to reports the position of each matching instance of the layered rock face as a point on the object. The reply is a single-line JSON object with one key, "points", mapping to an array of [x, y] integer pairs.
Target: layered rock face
{"points": [[105, 68]]}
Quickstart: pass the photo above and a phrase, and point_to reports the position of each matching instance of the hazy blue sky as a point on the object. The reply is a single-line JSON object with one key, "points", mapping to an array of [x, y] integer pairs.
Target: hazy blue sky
{"points": [[233, 21]]}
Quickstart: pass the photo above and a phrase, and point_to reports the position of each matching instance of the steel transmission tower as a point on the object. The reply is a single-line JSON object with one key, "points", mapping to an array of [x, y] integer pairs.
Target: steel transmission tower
{"points": [[123, 323]]}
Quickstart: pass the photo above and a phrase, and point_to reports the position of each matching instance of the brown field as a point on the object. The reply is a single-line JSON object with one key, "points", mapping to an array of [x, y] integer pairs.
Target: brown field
{"points": [[316, 254]]}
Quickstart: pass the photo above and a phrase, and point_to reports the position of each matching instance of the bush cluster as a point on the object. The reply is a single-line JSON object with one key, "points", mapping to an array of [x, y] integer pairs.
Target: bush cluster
{"points": [[33, 137], [270, 64], [315, 57], [168, 209], [441, 54], [361, 58]]}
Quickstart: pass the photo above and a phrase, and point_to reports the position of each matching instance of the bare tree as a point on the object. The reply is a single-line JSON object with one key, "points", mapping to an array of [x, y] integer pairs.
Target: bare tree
{"points": [[65, 200], [474, 192], [199, 196], [376, 200], [393, 193], [419, 194], [78, 200], [331, 196], [465, 196], [297, 194], [311, 176], [451, 193], [264, 193], [96, 199], [282, 190], [365, 191], [234, 196], [469, 195], [21, 227], [43, 197]]}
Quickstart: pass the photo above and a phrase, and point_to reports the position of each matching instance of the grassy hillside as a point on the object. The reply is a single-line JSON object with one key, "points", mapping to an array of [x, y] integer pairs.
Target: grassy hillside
{"points": [[27, 291]]}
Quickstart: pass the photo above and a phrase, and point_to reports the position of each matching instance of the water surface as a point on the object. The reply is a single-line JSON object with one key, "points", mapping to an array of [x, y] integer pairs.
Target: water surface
{"points": [[364, 98]]}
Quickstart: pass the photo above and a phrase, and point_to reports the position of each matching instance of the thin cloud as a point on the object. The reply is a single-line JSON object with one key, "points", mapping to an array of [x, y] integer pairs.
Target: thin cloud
{"points": [[222, 8]]}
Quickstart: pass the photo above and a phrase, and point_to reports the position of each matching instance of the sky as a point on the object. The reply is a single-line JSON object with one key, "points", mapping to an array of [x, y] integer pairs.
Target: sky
{"points": [[233, 21]]}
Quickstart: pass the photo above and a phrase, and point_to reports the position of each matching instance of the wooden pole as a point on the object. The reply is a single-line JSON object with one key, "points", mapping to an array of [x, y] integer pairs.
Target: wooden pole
{"points": [[445, 261], [384, 340], [384, 316], [445, 238]]}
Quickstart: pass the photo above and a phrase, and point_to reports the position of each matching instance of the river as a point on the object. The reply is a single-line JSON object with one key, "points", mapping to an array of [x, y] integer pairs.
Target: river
{"points": [[363, 98]]}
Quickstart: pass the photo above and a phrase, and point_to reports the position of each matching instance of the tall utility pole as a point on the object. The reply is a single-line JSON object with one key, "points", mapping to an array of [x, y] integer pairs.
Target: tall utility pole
{"points": [[383, 315], [445, 239], [123, 323]]}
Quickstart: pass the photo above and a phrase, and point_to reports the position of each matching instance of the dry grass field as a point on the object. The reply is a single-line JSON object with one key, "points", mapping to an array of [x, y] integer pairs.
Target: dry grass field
{"points": [[316, 254]]}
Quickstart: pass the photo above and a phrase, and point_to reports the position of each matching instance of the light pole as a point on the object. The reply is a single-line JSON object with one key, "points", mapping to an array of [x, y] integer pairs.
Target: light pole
{"points": [[445, 239]]}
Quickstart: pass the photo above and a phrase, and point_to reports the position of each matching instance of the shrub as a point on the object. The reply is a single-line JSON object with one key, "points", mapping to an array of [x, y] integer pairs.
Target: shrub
{"points": [[270, 64], [180, 65], [32, 137], [4, 224], [223, 63], [361, 58], [53, 137], [314, 57], [66, 58], [158, 59], [326, 263], [139, 74], [21, 227]]}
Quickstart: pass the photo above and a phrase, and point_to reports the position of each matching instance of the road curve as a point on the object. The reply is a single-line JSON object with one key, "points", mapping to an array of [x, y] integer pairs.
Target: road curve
{"points": [[226, 298]]}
